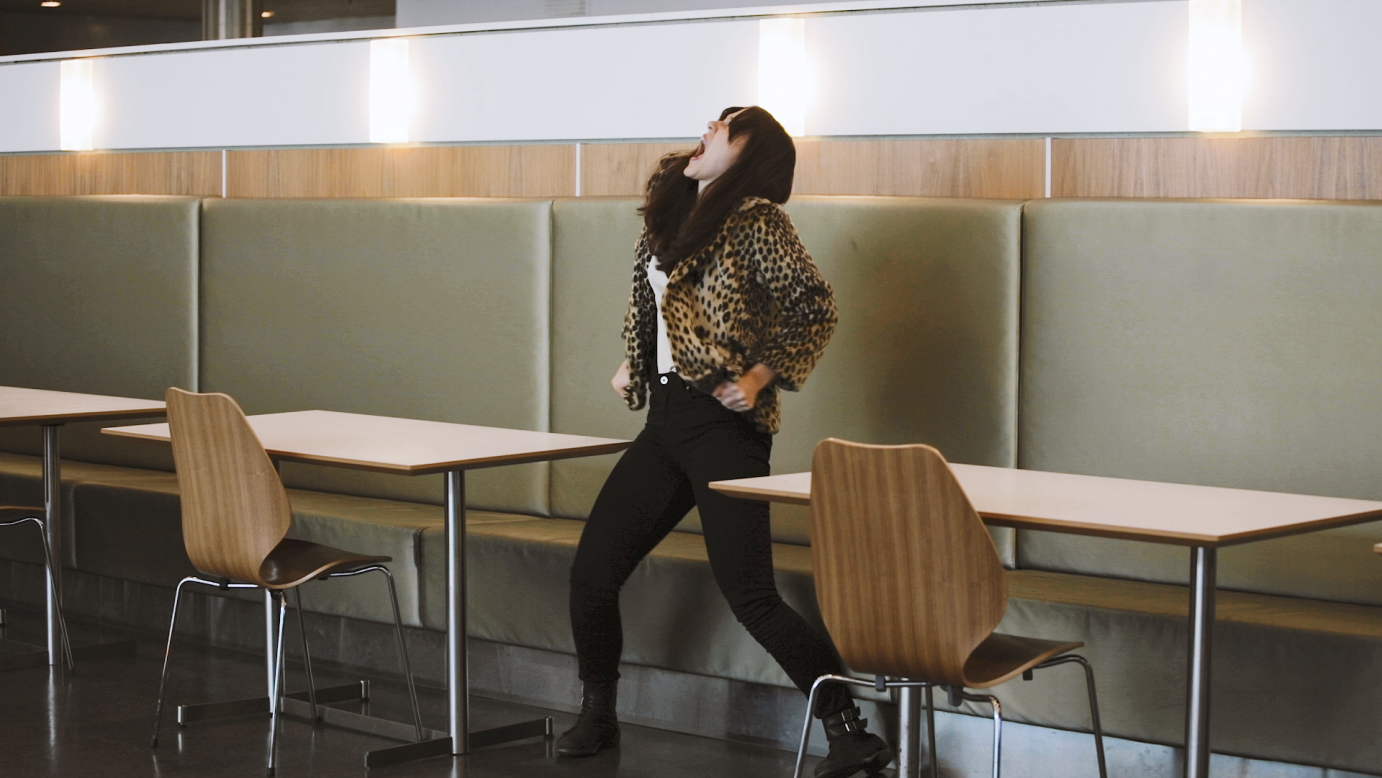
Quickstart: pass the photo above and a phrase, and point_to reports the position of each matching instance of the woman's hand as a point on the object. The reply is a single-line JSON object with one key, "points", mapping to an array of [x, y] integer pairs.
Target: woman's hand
{"points": [[620, 381], [741, 395]]}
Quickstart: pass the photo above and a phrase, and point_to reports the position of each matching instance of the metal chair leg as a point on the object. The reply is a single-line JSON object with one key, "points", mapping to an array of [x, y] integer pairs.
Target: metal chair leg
{"points": [[276, 690], [931, 732], [52, 581], [403, 653], [1093, 703], [167, 652], [997, 725], [398, 630], [806, 726], [306, 655], [57, 599], [811, 707]]}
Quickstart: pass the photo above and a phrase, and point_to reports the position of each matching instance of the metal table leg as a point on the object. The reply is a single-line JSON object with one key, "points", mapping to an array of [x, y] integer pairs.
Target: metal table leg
{"points": [[460, 740], [457, 661], [52, 512], [52, 651], [1203, 564]]}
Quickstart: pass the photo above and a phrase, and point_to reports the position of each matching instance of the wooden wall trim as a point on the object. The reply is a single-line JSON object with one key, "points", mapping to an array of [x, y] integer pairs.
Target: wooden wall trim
{"points": [[1326, 168], [923, 168], [98, 173], [621, 168], [1321, 168], [429, 171]]}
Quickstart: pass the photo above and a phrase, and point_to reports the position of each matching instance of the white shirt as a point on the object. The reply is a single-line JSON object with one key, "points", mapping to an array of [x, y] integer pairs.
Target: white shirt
{"points": [[658, 280]]}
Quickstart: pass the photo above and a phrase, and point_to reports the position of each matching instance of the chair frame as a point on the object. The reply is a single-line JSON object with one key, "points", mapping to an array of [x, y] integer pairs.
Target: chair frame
{"points": [[232, 536], [957, 695], [276, 689], [38, 520], [965, 617]]}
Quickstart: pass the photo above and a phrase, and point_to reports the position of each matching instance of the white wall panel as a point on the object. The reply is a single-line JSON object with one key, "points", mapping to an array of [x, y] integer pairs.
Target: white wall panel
{"points": [[1075, 67], [1045, 69], [29, 107], [427, 13], [310, 94], [653, 81], [1313, 64]]}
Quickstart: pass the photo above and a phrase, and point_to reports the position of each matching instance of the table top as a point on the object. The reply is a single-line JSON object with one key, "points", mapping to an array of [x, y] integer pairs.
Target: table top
{"points": [[1180, 514], [403, 446], [20, 406]]}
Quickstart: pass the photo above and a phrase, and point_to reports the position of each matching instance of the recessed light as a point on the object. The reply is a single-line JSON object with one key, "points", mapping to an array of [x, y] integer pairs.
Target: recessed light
{"points": [[50, 3], [265, 14]]}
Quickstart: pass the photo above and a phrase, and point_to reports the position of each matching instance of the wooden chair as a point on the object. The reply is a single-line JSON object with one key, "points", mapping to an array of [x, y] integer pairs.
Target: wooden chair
{"points": [[235, 516], [13, 516], [910, 584]]}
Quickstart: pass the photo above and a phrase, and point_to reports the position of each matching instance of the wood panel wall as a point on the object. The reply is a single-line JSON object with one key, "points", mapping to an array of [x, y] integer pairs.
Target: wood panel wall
{"points": [[1318, 168], [428, 171], [1343, 168], [621, 168], [166, 173], [926, 168]]}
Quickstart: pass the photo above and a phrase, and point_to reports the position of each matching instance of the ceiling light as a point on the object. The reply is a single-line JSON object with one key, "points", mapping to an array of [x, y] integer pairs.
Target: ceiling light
{"points": [[266, 14], [390, 91], [1216, 65], [50, 3], [76, 104], [782, 72]]}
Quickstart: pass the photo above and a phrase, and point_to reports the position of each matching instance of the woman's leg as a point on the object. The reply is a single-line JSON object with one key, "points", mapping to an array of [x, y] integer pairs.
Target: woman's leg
{"points": [[738, 539], [642, 500]]}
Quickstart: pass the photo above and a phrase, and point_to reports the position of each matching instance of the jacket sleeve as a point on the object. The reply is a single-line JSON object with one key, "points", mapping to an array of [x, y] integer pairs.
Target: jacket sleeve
{"points": [[636, 329], [804, 302]]}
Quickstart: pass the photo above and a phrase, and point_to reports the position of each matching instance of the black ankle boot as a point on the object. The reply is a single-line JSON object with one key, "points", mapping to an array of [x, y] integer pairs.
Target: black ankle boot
{"points": [[597, 727], [852, 748]]}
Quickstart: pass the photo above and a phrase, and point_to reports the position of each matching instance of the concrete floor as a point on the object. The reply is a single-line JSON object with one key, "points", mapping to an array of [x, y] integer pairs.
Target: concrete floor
{"points": [[98, 722]]}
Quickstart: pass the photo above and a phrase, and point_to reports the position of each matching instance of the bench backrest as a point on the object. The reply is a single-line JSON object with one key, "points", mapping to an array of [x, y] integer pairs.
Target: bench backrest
{"points": [[98, 294], [1229, 343], [429, 308]]}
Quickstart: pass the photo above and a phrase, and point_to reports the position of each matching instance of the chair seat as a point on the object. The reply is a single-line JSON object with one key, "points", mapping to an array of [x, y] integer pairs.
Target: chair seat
{"points": [[1003, 657], [294, 562], [12, 512]]}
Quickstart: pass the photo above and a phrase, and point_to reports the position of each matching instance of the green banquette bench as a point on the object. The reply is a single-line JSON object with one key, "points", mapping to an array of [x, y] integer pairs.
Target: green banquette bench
{"points": [[1232, 343]]}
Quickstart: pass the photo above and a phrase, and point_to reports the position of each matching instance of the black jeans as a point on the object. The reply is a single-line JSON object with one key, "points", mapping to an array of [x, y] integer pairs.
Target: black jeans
{"points": [[690, 440]]}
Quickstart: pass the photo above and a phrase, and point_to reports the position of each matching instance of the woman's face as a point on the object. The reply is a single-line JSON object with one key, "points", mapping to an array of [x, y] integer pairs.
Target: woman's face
{"points": [[717, 153]]}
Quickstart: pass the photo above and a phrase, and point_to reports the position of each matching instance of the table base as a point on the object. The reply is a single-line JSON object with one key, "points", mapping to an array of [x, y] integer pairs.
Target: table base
{"points": [[441, 744], [296, 704]]}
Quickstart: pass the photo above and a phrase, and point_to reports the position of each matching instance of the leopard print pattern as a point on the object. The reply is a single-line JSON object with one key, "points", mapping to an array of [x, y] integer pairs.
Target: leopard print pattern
{"points": [[751, 296]]}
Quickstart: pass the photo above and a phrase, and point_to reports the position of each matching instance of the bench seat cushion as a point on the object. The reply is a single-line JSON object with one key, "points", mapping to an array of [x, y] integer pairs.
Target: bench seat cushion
{"points": [[1294, 680], [674, 614], [128, 526], [21, 483]]}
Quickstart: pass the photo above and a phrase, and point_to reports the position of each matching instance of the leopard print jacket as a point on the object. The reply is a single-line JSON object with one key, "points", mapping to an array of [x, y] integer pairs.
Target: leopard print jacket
{"points": [[751, 296]]}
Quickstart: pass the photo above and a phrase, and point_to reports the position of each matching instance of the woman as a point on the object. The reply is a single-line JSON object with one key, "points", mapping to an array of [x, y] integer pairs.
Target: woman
{"points": [[727, 308]]}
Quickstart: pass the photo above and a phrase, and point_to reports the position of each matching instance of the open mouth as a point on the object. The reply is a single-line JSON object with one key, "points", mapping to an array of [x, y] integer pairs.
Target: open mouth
{"points": [[700, 149]]}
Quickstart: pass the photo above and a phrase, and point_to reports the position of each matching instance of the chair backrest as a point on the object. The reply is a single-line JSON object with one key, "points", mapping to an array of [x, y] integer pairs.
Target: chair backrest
{"points": [[908, 579], [234, 507]]}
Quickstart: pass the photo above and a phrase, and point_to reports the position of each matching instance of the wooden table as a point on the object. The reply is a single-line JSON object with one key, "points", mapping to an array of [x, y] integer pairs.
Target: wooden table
{"points": [[412, 447], [1204, 518], [50, 410]]}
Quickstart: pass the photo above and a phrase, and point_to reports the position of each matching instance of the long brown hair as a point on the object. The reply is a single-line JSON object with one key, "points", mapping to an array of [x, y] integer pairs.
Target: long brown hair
{"points": [[681, 223]]}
